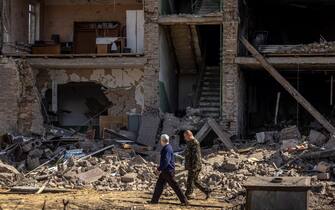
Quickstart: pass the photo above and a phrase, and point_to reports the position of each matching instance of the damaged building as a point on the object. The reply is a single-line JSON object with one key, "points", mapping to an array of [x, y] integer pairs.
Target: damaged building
{"points": [[67, 63], [88, 86]]}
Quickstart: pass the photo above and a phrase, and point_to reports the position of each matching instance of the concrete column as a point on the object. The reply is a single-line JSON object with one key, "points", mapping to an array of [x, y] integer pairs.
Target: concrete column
{"points": [[151, 50]]}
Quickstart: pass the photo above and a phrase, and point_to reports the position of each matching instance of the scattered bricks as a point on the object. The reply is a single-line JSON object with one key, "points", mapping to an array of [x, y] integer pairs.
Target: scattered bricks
{"points": [[127, 178], [316, 138], [323, 176], [323, 167]]}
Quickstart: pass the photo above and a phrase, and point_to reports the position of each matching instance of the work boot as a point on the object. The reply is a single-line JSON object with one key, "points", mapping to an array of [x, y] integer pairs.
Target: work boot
{"points": [[208, 194]]}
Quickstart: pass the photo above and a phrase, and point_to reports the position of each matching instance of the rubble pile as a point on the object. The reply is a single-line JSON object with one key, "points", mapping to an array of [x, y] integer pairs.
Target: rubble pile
{"points": [[108, 172], [66, 159], [313, 48]]}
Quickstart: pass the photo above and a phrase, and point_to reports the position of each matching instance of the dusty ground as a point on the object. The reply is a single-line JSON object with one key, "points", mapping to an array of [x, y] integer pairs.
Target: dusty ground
{"points": [[90, 199]]}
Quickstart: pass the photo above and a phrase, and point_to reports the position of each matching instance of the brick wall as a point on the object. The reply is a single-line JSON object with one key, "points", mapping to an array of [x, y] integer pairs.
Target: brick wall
{"points": [[19, 102], [230, 93], [9, 95], [151, 50]]}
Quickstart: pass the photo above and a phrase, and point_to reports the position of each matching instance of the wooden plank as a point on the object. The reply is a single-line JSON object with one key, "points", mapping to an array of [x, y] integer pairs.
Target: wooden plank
{"points": [[224, 137], [203, 132], [288, 87]]}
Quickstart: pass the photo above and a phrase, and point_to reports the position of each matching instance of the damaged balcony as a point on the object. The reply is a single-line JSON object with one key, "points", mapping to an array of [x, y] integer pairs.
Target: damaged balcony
{"points": [[67, 29]]}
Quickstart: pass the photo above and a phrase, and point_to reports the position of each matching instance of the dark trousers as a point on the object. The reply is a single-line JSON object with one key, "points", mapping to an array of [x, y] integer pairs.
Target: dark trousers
{"points": [[167, 177], [193, 180]]}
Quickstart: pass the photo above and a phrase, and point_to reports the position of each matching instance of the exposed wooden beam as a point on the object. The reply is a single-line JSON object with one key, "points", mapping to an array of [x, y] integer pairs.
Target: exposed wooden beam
{"points": [[288, 87], [190, 20]]}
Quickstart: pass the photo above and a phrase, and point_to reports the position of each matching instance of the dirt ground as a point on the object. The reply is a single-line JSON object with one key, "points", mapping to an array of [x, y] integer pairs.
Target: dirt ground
{"points": [[90, 199]]}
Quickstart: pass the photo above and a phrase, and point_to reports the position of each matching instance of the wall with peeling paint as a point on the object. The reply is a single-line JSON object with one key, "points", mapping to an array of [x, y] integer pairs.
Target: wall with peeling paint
{"points": [[115, 80]]}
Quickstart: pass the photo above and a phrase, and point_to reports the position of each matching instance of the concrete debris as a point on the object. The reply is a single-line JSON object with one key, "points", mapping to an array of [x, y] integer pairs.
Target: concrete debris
{"points": [[289, 144], [121, 164], [128, 178], [150, 123], [316, 138], [4, 168], [268, 136], [323, 167], [290, 133], [224, 136], [323, 176], [91, 175], [313, 48]]}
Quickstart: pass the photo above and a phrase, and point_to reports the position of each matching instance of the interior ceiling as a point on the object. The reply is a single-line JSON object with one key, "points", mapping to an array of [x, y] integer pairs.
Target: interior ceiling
{"points": [[293, 2], [104, 2]]}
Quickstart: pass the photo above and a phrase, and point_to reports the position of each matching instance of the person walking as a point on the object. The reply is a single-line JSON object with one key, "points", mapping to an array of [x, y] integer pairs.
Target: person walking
{"points": [[193, 166], [166, 171]]}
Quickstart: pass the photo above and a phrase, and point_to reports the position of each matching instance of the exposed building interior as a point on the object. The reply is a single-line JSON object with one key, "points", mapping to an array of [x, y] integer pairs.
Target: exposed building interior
{"points": [[75, 27], [76, 104], [299, 54], [190, 65], [269, 27]]}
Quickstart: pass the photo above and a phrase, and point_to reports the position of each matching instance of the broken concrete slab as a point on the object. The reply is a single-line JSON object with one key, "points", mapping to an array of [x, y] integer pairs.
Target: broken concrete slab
{"points": [[128, 134], [150, 123], [171, 124], [91, 175], [224, 136], [316, 138]]}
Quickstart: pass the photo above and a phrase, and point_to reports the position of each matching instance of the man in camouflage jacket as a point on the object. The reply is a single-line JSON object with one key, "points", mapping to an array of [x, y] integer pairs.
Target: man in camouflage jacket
{"points": [[193, 165]]}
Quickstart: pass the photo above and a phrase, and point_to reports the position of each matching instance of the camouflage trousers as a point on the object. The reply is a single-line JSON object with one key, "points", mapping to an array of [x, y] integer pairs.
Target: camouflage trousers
{"points": [[193, 180]]}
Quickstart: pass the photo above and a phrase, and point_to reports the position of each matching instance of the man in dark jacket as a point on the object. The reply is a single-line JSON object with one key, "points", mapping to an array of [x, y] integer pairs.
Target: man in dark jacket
{"points": [[167, 171], [193, 165]]}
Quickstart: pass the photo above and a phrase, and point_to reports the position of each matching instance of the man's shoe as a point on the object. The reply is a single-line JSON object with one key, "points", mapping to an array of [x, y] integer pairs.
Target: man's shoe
{"points": [[185, 204]]}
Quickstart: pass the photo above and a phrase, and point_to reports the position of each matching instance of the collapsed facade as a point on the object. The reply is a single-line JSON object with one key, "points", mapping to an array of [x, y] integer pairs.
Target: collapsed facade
{"points": [[66, 62]]}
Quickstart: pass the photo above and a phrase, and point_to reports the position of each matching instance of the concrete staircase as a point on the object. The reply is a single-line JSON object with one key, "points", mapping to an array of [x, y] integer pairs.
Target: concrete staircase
{"points": [[209, 101], [208, 6], [183, 45]]}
